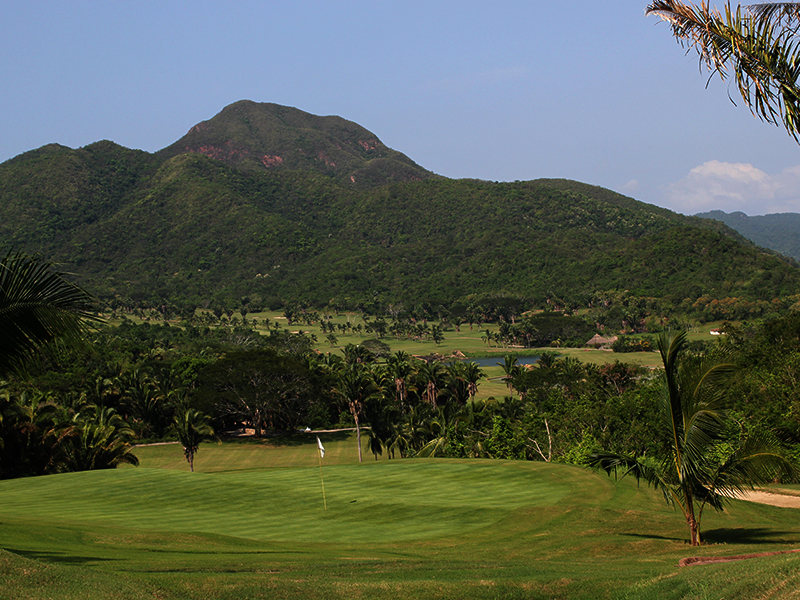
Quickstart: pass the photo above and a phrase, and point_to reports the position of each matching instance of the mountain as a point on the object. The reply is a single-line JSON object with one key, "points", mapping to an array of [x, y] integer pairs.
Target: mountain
{"points": [[183, 226], [778, 231], [260, 136]]}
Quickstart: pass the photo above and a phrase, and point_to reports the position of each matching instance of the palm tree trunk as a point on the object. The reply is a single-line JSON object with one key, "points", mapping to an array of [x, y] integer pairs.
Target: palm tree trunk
{"points": [[354, 412], [694, 527], [358, 437]]}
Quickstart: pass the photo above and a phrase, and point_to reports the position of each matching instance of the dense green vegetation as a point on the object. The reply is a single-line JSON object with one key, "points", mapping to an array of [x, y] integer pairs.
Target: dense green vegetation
{"points": [[184, 227], [268, 379], [778, 231]]}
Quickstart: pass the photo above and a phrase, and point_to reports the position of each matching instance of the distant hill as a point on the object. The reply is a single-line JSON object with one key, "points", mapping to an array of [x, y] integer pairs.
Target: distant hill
{"points": [[778, 231], [372, 227]]}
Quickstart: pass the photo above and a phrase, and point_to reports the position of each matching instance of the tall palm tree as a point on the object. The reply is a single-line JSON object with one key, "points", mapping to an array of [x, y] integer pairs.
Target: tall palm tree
{"points": [[37, 306], [690, 474], [758, 44], [431, 378], [355, 387], [510, 369], [192, 428], [398, 370]]}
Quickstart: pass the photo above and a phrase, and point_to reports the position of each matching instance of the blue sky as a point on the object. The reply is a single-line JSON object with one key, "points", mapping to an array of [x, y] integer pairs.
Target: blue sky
{"points": [[503, 91]]}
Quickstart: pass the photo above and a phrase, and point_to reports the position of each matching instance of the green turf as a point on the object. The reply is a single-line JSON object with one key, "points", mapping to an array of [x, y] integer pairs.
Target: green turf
{"points": [[393, 529]]}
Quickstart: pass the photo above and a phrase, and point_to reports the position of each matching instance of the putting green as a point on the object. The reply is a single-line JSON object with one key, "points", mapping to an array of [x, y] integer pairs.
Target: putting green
{"points": [[389, 500]]}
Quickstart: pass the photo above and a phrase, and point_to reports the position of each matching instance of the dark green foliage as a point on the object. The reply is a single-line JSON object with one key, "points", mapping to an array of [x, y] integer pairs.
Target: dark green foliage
{"points": [[263, 389], [631, 344], [37, 307]]}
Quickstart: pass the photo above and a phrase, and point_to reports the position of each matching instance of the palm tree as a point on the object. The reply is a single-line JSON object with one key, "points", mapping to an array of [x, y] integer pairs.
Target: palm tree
{"points": [[101, 440], [398, 370], [473, 374], [192, 428], [355, 387], [511, 370], [759, 45], [431, 378], [37, 306], [690, 473]]}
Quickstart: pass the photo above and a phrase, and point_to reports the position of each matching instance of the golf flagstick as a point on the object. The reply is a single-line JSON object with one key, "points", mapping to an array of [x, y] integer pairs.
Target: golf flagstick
{"points": [[320, 454]]}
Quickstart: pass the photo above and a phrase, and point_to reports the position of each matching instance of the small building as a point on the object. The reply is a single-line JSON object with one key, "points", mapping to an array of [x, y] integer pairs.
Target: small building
{"points": [[598, 341]]}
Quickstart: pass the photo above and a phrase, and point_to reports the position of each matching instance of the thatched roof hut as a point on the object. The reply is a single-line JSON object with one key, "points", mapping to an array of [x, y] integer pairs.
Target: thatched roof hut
{"points": [[598, 341]]}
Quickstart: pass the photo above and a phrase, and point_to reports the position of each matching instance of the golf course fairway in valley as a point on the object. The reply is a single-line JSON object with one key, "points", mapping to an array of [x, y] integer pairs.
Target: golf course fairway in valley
{"points": [[410, 528]]}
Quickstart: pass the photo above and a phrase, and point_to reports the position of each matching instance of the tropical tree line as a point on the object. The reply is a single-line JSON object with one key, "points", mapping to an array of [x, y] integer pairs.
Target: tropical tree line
{"points": [[699, 431]]}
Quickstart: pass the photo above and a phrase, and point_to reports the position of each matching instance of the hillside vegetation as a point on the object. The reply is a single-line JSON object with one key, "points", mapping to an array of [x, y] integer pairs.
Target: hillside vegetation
{"points": [[343, 219], [778, 231]]}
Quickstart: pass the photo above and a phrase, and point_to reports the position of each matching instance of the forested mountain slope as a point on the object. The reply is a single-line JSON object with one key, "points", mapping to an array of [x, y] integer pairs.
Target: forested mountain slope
{"points": [[778, 231], [183, 225]]}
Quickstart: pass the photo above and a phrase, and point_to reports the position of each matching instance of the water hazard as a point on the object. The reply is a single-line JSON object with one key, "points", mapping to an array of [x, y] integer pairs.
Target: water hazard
{"points": [[493, 361]]}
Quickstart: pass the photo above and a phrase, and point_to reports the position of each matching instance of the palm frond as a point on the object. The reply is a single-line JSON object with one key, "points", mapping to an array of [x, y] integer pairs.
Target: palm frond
{"points": [[758, 461], [622, 465], [758, 46], [784, 13], [37, 306]]}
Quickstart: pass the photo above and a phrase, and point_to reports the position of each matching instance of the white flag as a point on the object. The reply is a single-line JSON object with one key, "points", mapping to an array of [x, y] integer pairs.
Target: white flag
{"points": [[321, 448]]}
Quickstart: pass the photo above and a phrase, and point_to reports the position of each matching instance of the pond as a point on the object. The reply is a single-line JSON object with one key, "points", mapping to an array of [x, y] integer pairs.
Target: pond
{"points": [[492, 362]]}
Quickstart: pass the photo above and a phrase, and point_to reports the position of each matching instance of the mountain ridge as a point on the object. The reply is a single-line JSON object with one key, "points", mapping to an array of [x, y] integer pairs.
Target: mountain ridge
{"points": [[183, 226]]}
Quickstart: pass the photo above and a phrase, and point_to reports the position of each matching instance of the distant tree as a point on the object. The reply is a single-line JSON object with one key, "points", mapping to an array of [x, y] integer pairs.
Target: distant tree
{"points": [[263, 388], [355, 387], [431, 377], [758, 45], [510, 369], [192, 428], [398, 371]]}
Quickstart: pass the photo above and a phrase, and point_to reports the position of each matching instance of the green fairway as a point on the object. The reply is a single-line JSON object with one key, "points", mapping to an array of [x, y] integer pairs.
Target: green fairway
{"points": [[396, 529]]}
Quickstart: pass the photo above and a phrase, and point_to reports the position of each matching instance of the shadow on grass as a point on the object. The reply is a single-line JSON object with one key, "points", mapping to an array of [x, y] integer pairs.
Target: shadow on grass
{"points": [[651, 536], [756, 535], [289, 439], [58, 557], [727, 535]]}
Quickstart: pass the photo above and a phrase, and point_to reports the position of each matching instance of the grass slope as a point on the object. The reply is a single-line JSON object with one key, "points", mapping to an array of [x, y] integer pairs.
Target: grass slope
{"points": [[394, 529]]}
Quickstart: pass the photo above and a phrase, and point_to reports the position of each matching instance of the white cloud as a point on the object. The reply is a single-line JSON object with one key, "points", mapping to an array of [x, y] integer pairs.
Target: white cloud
{"points": [[631, 188], [735, 186]]}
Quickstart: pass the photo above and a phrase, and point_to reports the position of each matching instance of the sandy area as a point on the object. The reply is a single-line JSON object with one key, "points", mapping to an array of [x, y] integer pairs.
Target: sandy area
{"points": [[782, 500]]}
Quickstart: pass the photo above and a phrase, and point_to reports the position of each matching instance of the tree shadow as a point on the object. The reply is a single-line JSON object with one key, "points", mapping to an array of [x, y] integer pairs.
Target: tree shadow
{"points": [[290, 439], [651, 536], [730, 535], [754, 535], [58, 557]]}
